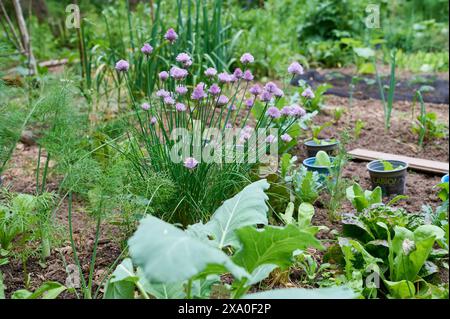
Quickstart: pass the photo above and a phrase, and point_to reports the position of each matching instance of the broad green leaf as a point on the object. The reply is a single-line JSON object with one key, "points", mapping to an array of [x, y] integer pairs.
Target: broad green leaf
{"points": [[366, 68], [288, 216], [167, 254], [340, 292], [354, 228], [409, 263], [429, 268], [271, 245], [376, 196], [387, 166], [397, 199], [400, 289], [361, 199], [322, 159], [307, 185], [285, 164], [260, 273], [364, 52], [246, 208], [305, 214], [122, 283], [161, 291], [355, 195], [21, 294], [202, 288], [48, 290], [351, 248]]}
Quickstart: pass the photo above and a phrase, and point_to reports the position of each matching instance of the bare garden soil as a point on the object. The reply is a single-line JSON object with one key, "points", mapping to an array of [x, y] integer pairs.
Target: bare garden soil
{"points": [[400, 140], [434, 86]]}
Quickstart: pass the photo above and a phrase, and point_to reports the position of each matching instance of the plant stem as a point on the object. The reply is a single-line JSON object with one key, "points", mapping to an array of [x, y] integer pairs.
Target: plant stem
{"points": [[2, 286], [93, 258], [72, 243], [189, 289]]}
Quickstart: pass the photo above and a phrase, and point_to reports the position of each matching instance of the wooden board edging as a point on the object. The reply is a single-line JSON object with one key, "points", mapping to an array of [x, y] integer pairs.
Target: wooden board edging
{"points": [[414, 163]]}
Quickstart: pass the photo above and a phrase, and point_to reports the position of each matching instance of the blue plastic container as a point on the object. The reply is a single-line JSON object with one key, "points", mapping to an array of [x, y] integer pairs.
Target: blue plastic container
{"points": [[444, 179], [322, 170]]}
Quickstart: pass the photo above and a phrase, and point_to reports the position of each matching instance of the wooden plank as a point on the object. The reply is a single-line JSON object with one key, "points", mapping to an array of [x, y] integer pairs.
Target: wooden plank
{"points": [[414, 163]]}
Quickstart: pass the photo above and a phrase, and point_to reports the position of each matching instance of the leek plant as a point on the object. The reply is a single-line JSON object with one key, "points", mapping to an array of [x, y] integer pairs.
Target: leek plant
{"points": [[389, 102]]}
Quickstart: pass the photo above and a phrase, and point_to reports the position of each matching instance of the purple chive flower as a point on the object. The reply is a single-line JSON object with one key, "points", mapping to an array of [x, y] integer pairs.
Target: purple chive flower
{"points": [[248, 128], [162, 93], [295, 68], [297, 111], [225, 77], [183, 58], [210, 72], [178, 73], [279, 93], [169, 100], [163, 76], [255, 90], [308, 93], [145, 106], [250, 102], [248, 76], [271, 87], [199, 92], [286, 111], [122, 66], [228, 125], [171, 35], [147, 49], [153, 120], [271, 139], [180, 107], [222, 100], [266, 96], [190, 163], [286, 138], [187, 63], [238, 73], [273, 112], [247, 58], [246, 133], [182, 90], [232, 107], [245, 136], [214, 89]]}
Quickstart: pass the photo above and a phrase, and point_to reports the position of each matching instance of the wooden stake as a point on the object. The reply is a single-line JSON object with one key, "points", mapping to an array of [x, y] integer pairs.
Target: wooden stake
{"points": [[25, 37]]}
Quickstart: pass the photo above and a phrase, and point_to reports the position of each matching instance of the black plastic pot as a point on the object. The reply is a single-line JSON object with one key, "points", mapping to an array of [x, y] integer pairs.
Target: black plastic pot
{"points": [[330, 147], [391, 182]]}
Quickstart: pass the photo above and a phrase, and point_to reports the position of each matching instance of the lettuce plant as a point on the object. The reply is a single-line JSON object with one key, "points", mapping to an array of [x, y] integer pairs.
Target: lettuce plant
{"points": [[306, 185], [389, 243], [363, 199], [427, 126], [305, 214], [186, 264]]}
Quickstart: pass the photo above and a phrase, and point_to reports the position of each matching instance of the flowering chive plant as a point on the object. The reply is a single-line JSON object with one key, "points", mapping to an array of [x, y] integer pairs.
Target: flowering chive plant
{"points": [[223, 102]]}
